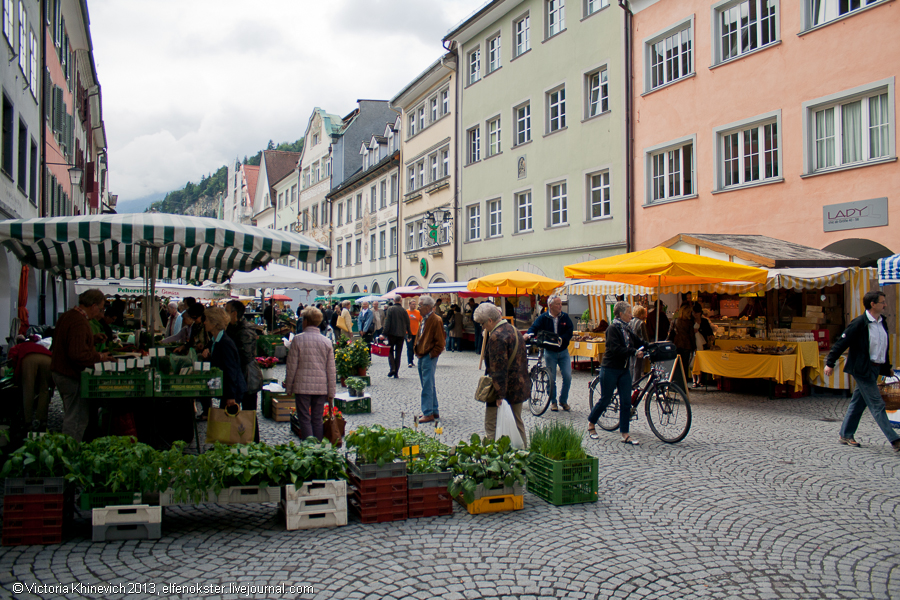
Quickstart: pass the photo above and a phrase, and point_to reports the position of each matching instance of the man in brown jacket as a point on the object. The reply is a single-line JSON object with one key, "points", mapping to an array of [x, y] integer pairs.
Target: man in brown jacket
{"points": [[429, 345], [73, 352]]}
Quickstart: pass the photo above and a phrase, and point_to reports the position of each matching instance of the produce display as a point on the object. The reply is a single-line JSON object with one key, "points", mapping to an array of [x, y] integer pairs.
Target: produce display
{"points": [[584, 337], [773, 350]]}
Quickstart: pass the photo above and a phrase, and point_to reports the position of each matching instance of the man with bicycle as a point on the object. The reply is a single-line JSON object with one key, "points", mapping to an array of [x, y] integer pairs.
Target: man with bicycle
{"points": [[557, 329]]}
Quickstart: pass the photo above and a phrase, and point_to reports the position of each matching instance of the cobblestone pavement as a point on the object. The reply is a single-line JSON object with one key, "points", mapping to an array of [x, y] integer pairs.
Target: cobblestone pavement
{"points": [[759, 501]]}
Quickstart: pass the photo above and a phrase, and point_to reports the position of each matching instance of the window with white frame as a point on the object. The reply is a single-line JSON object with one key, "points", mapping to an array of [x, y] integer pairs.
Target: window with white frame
{"points": [[598, 195], [445, 101], [32, 77], [383, 196], [372, 247], [315, 215], [327, 163], [522, 35], [395, 191], [411, 237], [373, 199], [382, 247], [556, 110], [748, 153], [340, 215], [411, 174], [359, 207], [348, 254], [743, 26], [420, 173], [819, 12], [474, 66], [358, 251], [23, 39], [473, 222], [524, 212], [317, 172], [412, 125], [495, 218], [393, 241], [339, 253], [433, 167], [597, 93], [592, 6], [851, 128], [670, 56], [523, 123], [493, 53], [671, 171], [473, 139], [9, 22], [445, 162], [493, 128], [315, 139], [421, 115], [559, 203], [433, 104], [555, 16]]}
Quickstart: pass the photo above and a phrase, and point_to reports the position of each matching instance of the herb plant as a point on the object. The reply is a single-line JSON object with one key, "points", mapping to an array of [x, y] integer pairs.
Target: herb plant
{"points": [[490, 463], [48, 455], [117, 464], [557, 441], [432, 456], [355, 383]]}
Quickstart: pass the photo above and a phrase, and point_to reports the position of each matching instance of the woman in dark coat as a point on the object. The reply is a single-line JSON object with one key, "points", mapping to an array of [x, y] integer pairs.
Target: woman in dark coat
{"points": [[224, 355], [510, 378], [244, 338]]}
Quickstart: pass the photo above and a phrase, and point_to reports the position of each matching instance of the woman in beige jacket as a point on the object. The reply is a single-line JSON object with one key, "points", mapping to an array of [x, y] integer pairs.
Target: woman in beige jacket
{"points": [[345, 321], [310, 374]]}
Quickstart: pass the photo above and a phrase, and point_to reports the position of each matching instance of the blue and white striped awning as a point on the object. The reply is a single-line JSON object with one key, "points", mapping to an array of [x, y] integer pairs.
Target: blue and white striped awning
{"points": [[889, 269], [114, 246]]}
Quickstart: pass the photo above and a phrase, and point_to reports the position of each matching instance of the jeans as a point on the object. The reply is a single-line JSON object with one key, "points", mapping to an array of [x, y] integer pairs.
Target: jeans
{"points": [[309, 413], [447, 337], [77, 410], [410, 349], [561, 358], [454, 344], [394, 353], [479, 336], [429, 392], [867, 394], [610, 381]]}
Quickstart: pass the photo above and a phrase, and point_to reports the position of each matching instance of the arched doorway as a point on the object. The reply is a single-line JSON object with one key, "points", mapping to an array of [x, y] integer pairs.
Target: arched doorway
{"points": [[355, 289], [867, 251], [376, 289], [391, 285], [340, 290]]}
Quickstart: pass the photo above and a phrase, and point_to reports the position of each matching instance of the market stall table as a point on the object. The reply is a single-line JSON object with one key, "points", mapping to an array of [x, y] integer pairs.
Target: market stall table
{"points": [[807, 354], [749, 366], [590, 350]]}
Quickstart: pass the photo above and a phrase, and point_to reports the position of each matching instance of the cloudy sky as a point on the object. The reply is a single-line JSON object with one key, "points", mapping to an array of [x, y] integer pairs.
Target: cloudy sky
{"points": [[189, 86]]}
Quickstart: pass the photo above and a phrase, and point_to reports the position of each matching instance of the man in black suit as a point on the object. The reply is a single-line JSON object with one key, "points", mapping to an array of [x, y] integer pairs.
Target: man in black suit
{"points": [[867, 339]]}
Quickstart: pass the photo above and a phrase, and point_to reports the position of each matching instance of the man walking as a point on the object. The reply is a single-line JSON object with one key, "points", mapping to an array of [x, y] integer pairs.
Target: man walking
{"points": [[396, 328], [379, 318], [429, 345], [556, 322], [366, 323], [867, 339]]}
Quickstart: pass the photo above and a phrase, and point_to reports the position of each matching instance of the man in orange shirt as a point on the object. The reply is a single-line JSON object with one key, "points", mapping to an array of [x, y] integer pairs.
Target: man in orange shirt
{"points": [[415, 320]]}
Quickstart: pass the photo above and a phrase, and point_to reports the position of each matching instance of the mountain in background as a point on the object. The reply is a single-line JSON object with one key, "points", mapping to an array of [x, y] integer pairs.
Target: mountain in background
{"points": [[199, 199], [139, 205]]}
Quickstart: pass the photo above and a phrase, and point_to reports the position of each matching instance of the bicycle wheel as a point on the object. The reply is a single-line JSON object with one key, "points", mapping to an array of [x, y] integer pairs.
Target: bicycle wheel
{"points": [[609, 418], [540, 391], [668, 412]]}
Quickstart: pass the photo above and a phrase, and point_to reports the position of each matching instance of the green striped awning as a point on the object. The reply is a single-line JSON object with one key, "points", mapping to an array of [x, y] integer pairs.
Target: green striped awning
{"points": [[113, 246]]}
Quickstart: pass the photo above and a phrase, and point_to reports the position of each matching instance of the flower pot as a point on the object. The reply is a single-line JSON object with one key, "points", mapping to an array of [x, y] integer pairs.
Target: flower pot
{"points": [[361, 371], [343, 382], [354, 393], [268, 373]]}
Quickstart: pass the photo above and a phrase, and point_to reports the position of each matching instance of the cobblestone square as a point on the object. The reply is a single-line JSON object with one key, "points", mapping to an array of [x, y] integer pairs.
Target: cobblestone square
{"points": [[759, 501]]}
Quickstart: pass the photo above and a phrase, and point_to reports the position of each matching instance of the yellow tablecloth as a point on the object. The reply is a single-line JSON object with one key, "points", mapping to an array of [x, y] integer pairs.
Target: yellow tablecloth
{"points": [[592, 350], [838, 380], [807, 354], [749, 366]]}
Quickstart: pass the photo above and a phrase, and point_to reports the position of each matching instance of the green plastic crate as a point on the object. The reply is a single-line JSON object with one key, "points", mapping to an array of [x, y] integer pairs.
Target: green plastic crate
{"points": [[354, 407], [562, 482], [137, 384], [195, 385], [266, 344]]}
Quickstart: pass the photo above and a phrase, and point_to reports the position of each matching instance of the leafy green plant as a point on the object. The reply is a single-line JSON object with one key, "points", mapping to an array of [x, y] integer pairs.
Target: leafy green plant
{"points": [[48, 455], [355, 383], [557, 441], [311, 460], [117, 464], [375, 444], [433, 454], [586, 315], [489, 463], [249, 464]]}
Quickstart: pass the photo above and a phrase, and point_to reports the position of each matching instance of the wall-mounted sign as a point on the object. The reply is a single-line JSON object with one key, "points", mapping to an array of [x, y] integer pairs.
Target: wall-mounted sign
{"points": [[855, 215], [423, 267]]}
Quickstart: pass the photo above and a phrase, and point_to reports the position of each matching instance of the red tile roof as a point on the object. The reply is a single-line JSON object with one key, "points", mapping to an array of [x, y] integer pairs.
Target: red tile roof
{"points": [[251, 174]]}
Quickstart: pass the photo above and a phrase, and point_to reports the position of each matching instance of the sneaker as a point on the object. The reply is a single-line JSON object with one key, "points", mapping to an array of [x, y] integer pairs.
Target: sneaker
{"points": [[849, 441], [565, 407], [411, 365], [554, 408], [896, 445]]}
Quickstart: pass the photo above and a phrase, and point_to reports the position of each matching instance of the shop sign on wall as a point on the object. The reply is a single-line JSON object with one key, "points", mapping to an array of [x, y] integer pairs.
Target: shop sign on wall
{"points": [[855, 215]]}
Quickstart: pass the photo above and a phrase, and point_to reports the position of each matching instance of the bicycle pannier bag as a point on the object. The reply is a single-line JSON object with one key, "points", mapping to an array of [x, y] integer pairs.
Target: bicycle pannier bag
{"points": [[662, 351], [549, 341]]}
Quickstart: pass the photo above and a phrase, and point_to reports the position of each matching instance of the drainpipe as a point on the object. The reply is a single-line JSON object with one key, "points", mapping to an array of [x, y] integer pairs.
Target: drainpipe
{"points": [[42, 288], [456, 183], [629, 128]]}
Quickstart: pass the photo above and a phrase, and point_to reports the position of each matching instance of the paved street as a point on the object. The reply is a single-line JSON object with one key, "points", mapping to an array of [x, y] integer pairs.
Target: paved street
{"points": [[759, 501]]}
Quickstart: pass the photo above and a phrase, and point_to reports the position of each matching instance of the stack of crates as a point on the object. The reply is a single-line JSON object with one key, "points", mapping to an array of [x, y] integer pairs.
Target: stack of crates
{"points": [[379, 494], [126, 522], [502, 499], [562, 482], [428, 496], [34, 510], [314, 504]]}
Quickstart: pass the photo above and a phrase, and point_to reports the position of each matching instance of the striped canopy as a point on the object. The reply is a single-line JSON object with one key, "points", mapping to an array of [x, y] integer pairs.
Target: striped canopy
{"points": [[114, 246], [889, 269]]}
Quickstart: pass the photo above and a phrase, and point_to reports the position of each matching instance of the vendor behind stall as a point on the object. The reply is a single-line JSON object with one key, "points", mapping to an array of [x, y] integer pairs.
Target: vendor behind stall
{"points": [[73, 351]]}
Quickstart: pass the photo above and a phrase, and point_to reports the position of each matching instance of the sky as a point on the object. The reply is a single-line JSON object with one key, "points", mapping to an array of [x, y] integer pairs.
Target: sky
{"points": [[188, 86]]}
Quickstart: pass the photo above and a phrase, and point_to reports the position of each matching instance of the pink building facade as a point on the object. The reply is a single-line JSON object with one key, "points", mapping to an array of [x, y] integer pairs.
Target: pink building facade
{"points": [[774, 117]]}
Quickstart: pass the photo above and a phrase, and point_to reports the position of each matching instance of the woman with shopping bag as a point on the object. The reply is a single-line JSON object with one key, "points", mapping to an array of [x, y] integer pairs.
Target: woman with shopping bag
{"points": [[506, 363], [229, 425]]}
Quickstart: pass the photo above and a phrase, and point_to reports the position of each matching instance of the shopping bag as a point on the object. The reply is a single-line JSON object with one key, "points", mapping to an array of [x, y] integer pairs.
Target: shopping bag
{"points": [[333, 428], [238, 428], [506, 425]]}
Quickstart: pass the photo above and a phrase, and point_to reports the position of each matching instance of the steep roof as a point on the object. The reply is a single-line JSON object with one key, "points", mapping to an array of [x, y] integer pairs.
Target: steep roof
{"points": [[765, 251], [279, 164], [251, 174]]}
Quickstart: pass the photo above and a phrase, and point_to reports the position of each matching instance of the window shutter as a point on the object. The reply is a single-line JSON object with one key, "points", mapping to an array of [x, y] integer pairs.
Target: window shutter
{"points": [[48, 94], [70, 131]]}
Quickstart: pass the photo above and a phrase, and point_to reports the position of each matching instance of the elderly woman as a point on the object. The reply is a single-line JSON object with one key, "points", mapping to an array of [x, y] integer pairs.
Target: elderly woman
{"points": [[621, 344], [345, 321], [223, 354], [506, 363], [244, 338], [638, 325], [310, 374]]}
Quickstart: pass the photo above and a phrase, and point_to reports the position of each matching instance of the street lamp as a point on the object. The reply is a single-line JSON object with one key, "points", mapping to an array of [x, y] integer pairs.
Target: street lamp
{"points": [[75, 174]]}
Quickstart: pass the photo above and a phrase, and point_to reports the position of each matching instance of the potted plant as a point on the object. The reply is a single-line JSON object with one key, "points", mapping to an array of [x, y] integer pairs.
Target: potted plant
{"points": [[316, 494], [377, 451], [487, 468], [356, 385], [266, 365], [560, 471], [428, 474], [116, 470], [41, 465]]}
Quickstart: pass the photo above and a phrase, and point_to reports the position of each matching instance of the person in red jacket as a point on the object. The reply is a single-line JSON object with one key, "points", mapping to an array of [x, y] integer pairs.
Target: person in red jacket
{"points": [[73, 352], [32, 372]]}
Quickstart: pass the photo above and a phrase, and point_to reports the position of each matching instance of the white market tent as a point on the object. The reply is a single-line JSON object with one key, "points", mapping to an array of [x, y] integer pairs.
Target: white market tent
{"points": [[137, 287], [280, 276]]}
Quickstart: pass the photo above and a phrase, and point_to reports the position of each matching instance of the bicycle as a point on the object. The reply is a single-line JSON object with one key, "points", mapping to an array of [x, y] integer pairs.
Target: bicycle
{"points": [[540, 383], [667, 408]]}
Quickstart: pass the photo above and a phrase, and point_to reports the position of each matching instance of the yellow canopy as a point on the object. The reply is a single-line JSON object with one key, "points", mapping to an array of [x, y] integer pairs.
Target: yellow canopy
{"points": [[514, 283], [662, 267]]}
